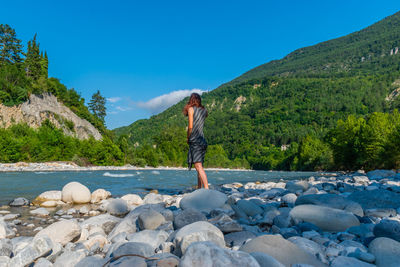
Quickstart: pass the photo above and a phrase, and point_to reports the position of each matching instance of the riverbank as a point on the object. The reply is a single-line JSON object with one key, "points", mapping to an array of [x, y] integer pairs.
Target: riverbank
{"points": [[344, 220], [71, 166]]}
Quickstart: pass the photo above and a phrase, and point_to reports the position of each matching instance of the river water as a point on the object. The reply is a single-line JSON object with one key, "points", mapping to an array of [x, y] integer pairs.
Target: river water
{"points": [[31, 184]]}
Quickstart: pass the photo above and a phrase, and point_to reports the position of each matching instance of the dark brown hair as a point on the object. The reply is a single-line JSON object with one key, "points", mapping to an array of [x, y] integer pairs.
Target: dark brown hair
{"points": [[194, 101]]}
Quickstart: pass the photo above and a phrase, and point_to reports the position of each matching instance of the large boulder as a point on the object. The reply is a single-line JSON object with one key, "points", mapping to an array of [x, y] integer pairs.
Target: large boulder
{"points": [[327, 219], [282, 250], [150, 220], [152, 237], [54, 195], [61, 231], [378, 198], [76, 193], [117, 207], [188, 216], [332, 201], [249, 207], [386, 252], [198, 231], [388, 228], [40, 246], [202, 254], [204, 200]]}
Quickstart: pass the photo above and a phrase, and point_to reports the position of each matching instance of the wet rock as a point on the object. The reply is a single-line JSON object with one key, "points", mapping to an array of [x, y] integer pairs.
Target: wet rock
{"points": [[19, 202], [204, 200], [76, 193], [238, 238], [332, 201], [40, 246], [188, 216], [349, 261], [266, 260], [43, 212], [388, 228], [98, 195], [152, 237], [386, 252], [282, 250], [327, 219], [375, 199], [198, 231], [117, 207], [150, 220], [200, 254], [61, 231], [249, 207]]}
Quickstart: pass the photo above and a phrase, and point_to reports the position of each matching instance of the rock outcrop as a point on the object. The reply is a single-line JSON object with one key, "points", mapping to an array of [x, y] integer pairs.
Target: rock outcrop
{"points": [[46, 107]]}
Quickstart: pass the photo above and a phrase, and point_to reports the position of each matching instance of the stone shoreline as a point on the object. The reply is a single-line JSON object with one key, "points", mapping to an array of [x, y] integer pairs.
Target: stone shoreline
{"points": [[345, 220], [71, 166]]}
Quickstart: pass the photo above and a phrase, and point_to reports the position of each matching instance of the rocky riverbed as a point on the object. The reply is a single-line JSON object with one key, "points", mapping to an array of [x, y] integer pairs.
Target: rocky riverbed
{"points": [[344, 220]]}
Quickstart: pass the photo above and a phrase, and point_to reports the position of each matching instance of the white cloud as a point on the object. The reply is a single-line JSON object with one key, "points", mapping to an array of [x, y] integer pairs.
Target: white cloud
{"points": [[114, 99], [162, 102], [123, 108]]}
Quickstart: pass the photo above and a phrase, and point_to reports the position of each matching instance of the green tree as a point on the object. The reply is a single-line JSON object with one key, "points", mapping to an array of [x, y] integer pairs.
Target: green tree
{"points": [[33, 61], [10, 46], [97, 106]]}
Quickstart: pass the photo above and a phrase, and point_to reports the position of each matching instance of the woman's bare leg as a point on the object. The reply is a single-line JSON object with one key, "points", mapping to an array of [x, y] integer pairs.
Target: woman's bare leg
{"points": [[202, 174], [199, 183]]}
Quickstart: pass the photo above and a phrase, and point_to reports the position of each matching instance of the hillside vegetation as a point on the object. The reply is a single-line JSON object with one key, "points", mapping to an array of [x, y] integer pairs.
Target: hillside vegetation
{"points": [[290, 113]]}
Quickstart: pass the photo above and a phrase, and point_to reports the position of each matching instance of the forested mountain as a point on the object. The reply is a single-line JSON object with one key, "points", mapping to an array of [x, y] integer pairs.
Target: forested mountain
{"points": [[272, 115]]}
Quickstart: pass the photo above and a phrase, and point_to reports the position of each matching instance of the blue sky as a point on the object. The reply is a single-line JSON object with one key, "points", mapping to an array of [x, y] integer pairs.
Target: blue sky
{"points": [[145, 55]]}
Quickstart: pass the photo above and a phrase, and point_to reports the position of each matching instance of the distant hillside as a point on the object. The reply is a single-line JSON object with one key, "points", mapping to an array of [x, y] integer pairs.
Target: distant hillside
{"points": [[283, 101]]}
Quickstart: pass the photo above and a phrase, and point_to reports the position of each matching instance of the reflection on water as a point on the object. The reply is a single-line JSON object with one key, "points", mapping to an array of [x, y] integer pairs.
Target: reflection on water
{"points": [[31, 184]]}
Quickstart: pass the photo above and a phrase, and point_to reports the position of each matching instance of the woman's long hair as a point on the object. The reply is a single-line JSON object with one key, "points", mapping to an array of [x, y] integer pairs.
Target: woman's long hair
{"points": [[194, 101]]}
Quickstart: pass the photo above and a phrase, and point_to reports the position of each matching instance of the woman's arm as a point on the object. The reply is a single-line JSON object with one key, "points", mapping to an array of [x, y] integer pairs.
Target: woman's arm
{"points": [[190, 127]]}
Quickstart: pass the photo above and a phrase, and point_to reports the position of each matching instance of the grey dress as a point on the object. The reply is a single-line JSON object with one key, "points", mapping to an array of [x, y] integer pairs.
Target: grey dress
{"points": [[197, 142]]}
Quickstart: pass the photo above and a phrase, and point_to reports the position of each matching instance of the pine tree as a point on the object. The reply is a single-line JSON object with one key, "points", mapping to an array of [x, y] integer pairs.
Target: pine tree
{"points": [[10, 45], [97, 105], [44, 65], [33, 61]]}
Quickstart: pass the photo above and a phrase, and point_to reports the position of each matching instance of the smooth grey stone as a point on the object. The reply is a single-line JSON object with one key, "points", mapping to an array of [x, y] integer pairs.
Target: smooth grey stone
{"points": [[342, 261], [198, 231], [105, 221], [272, 193], [294, 187], [200, 254], [18, 202], [266, 260], [61, 231], [355, 244], [327, 219], [307, 245], [226, 224], [150, 220], [386, 252], [388, 228], [238, 238], [42, 262], [282, 221], [379, 198], [117, 207], [204, 200], [387, 212], [129, 262], [163, 260], [249, 207], [6, 247], [91, 261], [154, 238], [363, 230], [38, 248], [289, 199], [4, 261], [188, 216], [282, 250], [380, 174], [332, 201], [363, 256], [152, 198], [139, 248], [168, 214]]}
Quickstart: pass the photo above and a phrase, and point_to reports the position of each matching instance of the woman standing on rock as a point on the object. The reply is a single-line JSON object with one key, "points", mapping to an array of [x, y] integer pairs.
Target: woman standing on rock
{"points": [[195, 138]]}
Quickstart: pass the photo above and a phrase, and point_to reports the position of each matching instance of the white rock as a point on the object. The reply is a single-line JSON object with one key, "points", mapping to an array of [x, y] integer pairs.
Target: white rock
{"points": [[61, 231], [133, 199], [75, 192], [38, 248], [40, 212], [99, 195], [49, 204], [54, 195]]}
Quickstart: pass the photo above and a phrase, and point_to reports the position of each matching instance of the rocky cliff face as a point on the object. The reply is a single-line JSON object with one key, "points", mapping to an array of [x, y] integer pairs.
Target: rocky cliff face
{"points": [[40, 108]]}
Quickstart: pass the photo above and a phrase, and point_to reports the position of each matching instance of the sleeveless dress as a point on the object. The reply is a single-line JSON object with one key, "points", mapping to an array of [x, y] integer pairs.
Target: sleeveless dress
{"points": [[197, 142]]}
